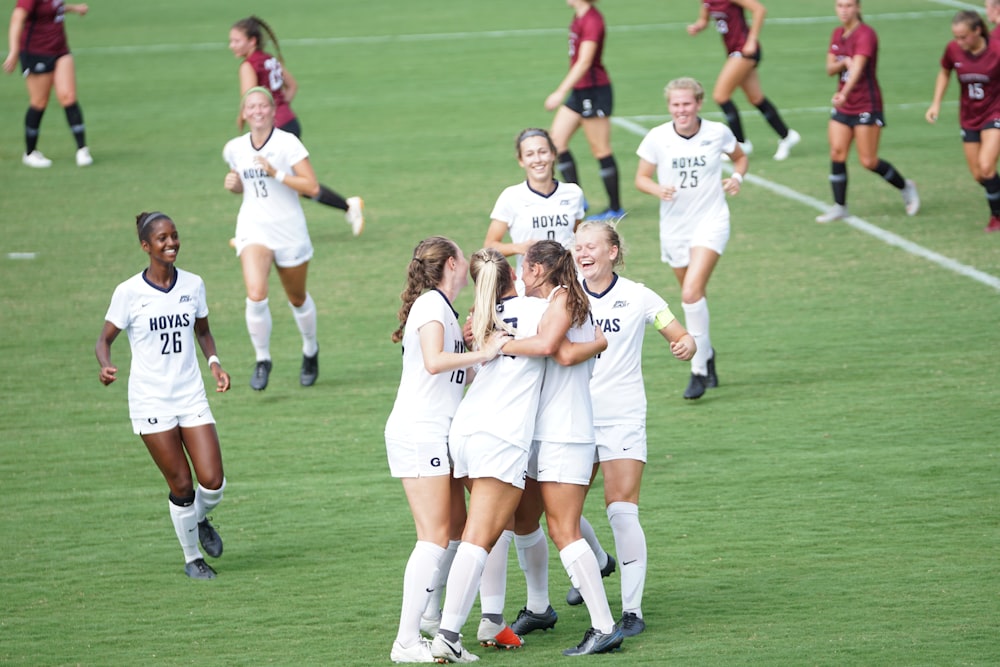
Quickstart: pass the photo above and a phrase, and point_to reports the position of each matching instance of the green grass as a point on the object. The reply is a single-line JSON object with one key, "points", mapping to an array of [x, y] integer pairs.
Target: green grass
{"points": [[834, 502]]}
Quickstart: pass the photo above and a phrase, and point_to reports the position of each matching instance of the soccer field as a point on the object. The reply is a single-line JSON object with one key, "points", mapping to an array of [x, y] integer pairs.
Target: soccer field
{"points": [[834, 502]]}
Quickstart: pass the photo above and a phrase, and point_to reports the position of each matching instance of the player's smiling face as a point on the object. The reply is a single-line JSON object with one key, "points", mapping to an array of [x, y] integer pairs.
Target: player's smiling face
{"points": [[536, 158], [684, 108], [593, 254], [258, 110], [241, 45], [163, 244]]}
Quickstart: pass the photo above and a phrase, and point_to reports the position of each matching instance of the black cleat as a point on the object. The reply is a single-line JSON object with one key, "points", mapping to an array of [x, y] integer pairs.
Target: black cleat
{"points": [[696, 387], [631, 625], [209, 538], [595, 641], [310, 370], [574, 598], [529, 621], [261, 373], [199, 569], [712, 380]]}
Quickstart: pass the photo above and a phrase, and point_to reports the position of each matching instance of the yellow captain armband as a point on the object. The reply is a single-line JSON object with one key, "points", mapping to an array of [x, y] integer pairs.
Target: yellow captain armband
{"points": [[663, 318]]}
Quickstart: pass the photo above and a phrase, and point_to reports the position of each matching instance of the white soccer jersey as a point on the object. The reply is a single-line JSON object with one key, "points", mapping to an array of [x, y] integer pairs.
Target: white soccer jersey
{"points": [[503, 399], [565, 411], [425, 403], [694, 167], [617, 388], [164, 379], [270, 214], [530, 215]]}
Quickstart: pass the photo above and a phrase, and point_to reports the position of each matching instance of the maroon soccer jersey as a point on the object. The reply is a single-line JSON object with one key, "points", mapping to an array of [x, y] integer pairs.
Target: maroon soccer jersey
{"points": [[866, 96], [44, 33], [979, 79], [271, 76], [588, 28], [731, 23]]}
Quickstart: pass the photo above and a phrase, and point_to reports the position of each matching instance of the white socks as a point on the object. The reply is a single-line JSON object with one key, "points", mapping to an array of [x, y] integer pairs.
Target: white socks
{"points": [[696, 321], [581, 566], [305, 318], [185, 518], [463, 584], [493, 587], [595, 545], [433, 609], [533, 557], [419, 580], [258, 317], [206, 500], [630, 545]]}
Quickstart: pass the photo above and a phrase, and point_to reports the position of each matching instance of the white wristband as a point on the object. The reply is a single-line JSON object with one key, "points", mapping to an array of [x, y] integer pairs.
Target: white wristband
{"points": [[214, 360], [280, 176], [738, 176]]}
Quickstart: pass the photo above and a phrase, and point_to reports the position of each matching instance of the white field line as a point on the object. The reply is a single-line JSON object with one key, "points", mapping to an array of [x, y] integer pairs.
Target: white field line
{"points": [[854, 221]]}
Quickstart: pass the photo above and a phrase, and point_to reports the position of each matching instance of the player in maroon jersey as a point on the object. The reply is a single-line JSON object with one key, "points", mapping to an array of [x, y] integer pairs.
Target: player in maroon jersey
{"points": [[740, 69], [584, 99], [857, 110], [260, 68], [993, 13], [977, 67], [38, 39]]}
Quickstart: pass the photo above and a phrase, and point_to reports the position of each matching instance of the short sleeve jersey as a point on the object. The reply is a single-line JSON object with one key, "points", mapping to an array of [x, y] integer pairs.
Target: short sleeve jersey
{"points": [[531, 215], [44, 30], [270, 75], [979, 80], [503, 399], [730, 22], [693, 165], [426, 403], [588, 28], [865, 96], [270, 213], [616, 389], [164, 378]]}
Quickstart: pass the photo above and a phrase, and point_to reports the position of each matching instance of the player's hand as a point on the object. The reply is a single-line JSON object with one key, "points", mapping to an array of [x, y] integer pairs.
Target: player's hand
{"points": [[667, 192], [108, 375], [932, 114], [554, 101], [221, 378], [683, 349], [233, 182], [10, 62], [731, 186]]}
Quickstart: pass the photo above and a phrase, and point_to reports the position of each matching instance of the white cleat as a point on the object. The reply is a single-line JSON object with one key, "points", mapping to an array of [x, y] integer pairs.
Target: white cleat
{"points": [[83, 158], [36, 159], [836, 212], [442, 649], [355, 214], [419, 652], [430, 626], [786, 145], [910, 198]]}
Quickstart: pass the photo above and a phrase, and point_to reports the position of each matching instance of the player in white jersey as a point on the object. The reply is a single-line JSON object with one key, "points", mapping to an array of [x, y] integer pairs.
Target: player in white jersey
{"points": [[623, 309], [271, 168], [436, 366], [164, 311], [686, 157], [540, 207]]}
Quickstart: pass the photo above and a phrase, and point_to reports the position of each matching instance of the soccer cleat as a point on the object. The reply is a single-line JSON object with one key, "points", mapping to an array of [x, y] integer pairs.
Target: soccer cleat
{"points": [[711, 380], [994, 225], [607, 215], [83, 158], [497, 635], [696, 387], [574, 598], [209, 538], [355, 214], [595, 641], [430, 626], [36, 159], [631, 624], [786, 145], [836, 212], [419, 652], [446, 651], [199, 569], [911, 200], [310, 370], [529, 621], [261, 373]]}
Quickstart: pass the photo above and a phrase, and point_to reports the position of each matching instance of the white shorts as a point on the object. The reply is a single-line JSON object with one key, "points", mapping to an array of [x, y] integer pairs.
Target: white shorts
{"points": [[621, 441], [417, 459], [485, 455], [149, 425], [284, 257], [675, 248], [562, 462]]}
